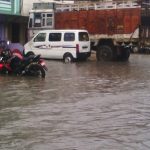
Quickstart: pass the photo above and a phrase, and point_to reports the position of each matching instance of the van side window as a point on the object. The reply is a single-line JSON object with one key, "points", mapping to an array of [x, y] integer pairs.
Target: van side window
{"points": [[83, 36], [55, 37], [40, 37], [69, 37]]}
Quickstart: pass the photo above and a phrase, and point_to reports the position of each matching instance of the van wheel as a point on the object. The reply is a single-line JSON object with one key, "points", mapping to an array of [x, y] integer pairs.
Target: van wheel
{"points": [[68, 58], [29, 54]]}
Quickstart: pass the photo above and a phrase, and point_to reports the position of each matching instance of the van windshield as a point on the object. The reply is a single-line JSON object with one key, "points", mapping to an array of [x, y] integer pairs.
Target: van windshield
{"points": [[40, 37], [83, 36]]}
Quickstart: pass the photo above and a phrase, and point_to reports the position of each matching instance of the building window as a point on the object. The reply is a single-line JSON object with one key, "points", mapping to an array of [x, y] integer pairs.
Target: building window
{"points": [[37, 20], [47, 20]]}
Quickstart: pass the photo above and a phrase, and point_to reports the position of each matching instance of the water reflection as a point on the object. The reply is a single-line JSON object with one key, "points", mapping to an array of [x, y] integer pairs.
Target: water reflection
{"points": [[80, 106]]}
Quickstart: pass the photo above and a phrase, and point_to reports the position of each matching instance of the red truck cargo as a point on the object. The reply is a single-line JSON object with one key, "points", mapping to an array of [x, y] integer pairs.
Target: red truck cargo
{"points": [[112, 28]]}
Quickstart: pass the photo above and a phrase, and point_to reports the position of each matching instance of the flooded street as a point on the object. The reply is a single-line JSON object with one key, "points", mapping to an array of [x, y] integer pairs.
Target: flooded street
{"points": [[80, 106]]}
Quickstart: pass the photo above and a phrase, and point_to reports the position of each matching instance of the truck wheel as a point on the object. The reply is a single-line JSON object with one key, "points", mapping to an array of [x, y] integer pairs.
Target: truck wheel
{"points": [[68, 58], [104, 53], [125, 55]]}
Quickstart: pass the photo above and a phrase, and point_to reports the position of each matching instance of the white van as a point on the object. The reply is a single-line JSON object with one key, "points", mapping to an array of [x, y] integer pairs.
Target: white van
{"points": [[68, 45]]}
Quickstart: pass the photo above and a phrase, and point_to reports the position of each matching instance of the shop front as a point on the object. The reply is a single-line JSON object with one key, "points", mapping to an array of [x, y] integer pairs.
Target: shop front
{"points": [[12, 24]]}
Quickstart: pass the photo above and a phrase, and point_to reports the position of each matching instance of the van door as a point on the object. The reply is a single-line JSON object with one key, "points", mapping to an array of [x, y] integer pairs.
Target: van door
{"points": [[70, 43], [55, 40], [39, 45], [84, 42]]}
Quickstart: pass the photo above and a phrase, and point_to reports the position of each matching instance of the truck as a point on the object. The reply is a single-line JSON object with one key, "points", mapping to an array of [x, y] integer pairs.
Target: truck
{"points": [[113, 26], [144, 37]]}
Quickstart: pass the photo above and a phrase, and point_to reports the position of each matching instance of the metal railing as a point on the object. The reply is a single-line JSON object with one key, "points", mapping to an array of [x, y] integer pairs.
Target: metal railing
{"points": [[96, 6]]}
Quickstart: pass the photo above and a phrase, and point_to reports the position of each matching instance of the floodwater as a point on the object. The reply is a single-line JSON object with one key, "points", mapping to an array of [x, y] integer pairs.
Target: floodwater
{"points": [[80, 106]]}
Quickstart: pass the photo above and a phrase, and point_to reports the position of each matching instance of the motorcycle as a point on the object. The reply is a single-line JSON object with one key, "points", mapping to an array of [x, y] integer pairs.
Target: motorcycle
{"points": [[4, 56], [32, 66], [15, 63]]}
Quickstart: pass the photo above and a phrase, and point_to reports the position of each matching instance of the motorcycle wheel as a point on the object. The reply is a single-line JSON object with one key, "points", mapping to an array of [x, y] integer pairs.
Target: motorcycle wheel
{"points": [[36, 70]]}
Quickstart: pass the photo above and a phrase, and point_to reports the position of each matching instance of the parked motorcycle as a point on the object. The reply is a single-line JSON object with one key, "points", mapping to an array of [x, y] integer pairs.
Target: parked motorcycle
{"points": [[32, 66], [15, 63]]}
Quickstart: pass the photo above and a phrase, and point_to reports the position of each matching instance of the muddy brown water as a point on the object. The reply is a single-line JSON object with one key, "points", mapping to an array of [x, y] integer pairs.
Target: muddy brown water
{"points": [[80, 106]]}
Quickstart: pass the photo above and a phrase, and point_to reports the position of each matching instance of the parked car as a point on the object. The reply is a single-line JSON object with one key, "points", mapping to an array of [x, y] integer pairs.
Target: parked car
{"points": [[68, 45]]}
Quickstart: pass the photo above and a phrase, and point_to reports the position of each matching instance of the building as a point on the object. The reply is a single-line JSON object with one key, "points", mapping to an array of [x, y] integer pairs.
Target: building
{"points": [[14, 16], [145, 14], [12, 24]]}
